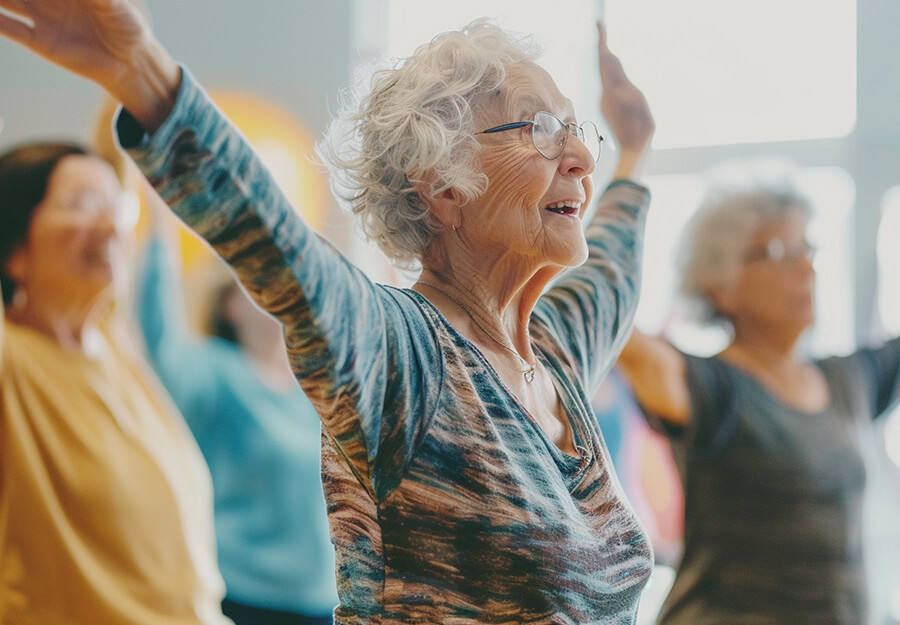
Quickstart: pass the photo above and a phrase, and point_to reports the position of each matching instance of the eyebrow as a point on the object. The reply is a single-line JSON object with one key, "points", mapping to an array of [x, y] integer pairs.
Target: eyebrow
{"points": [[530, 104]]}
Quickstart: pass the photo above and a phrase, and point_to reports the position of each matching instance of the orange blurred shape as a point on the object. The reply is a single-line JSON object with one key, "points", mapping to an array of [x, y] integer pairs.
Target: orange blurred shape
{"points": [[284, 145]]}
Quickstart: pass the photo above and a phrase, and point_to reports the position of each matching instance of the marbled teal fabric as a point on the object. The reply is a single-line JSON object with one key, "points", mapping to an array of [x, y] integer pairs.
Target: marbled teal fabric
{"points": [[447, 503]]}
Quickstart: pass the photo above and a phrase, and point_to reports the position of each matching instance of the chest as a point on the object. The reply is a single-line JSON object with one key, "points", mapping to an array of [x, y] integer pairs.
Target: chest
{"points": [[804, 389], [503, 510], [94, 430], [775, 448]]}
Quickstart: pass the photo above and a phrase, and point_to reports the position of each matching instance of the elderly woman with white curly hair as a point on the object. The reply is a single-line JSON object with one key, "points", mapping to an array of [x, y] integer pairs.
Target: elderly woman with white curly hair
{"points": [[465, 477], [766, 441]]}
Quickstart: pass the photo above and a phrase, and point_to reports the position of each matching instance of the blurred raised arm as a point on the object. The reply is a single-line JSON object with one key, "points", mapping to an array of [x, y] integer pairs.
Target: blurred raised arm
{"points": [[595, 303], [625, 109], [655, 369], [656, 372]]}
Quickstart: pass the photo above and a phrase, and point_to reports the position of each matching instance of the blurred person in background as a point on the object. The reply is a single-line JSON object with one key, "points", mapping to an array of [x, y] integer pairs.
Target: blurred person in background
{"points": [[105, 501], [767, 442], [258, 432]]}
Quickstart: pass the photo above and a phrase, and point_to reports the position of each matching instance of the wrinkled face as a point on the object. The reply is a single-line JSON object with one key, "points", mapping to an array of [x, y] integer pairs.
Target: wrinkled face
{"points": [[73, 244], [533, 207], [775, 284]]}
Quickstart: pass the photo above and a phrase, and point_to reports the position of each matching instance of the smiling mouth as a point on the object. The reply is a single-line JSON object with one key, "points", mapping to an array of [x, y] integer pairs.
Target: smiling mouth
{"points": [[564, 208]]}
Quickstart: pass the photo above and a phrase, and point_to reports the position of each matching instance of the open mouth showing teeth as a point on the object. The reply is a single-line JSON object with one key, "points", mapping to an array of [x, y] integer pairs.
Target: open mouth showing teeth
{"points": [[564, 208]]}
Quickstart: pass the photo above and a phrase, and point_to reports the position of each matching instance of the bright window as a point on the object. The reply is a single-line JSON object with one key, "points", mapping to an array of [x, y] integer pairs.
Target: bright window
{"points": [[889, 262], [740, 72]]}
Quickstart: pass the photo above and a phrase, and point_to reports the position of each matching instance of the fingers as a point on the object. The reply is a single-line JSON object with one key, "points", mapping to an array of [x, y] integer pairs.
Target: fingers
{"points": [[15, 29], [611, 70], [601, 35], [15, 20]]}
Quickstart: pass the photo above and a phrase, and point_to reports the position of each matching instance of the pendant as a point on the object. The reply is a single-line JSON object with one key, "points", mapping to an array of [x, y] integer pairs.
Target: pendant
{"points": [[529, 375]]}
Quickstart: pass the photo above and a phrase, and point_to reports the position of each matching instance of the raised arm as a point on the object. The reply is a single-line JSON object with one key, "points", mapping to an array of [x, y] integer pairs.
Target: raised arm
{"points": [[189, 366], [107, 41], [883, 371], [874, 372], [350, 342], [656, 372], [594, 304], [160, 306], [626, 111]]}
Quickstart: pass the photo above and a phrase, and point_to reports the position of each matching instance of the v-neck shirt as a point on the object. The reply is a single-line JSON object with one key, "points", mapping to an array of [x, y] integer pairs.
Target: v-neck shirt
{"points": [[446, 503]]}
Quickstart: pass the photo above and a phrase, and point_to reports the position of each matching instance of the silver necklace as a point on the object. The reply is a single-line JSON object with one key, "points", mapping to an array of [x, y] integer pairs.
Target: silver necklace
{"points": [[527, 373]]}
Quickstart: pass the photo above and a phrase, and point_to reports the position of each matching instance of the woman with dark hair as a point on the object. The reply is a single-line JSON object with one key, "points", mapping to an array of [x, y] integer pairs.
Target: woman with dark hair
{"points": [[105, 503], [241, 401], [24, 176]]}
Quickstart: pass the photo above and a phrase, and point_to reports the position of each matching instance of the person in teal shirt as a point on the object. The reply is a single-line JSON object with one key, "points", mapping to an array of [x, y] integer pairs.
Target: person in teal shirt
{"points": [[260, 437]]}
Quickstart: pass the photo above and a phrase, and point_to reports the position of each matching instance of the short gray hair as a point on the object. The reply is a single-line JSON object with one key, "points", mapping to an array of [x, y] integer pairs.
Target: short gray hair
{"points": [[414, 124], [715, 239]]}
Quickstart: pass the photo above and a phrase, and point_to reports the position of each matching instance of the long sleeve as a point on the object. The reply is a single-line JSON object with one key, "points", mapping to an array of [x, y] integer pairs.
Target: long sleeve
{"points": [[874, 373], [160, 309], [185, 363], [358, 351], [882, 368], [591, 308]]}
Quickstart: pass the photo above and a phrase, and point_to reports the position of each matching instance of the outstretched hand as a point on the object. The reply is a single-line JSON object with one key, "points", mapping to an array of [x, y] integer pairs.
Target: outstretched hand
{"points": [[92, 38], [107, 41], [623, 105]]}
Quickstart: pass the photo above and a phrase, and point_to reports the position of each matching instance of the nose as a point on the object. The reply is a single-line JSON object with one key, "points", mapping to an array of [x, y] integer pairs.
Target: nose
{"points": [[802, 266], [119, 214], [807, 263], [576, 157]]}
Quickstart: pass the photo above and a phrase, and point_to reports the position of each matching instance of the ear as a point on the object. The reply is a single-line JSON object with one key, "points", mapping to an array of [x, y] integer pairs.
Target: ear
{"points": [[16, 265], [444, 205]]}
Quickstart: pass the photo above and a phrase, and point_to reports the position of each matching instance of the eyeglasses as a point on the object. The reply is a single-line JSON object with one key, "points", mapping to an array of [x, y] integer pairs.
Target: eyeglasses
{"points": [[549, 134], [124, 207], [777, 251]]}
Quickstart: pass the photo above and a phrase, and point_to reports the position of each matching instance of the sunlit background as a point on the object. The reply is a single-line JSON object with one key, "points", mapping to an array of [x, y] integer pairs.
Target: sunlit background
{"points": [[812, 83]]}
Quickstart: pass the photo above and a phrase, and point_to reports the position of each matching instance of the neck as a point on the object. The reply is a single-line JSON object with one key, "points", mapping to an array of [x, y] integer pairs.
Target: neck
{"points": [[771, 349], [501, 316], [72, 324], [503, 286], [502, 342]]}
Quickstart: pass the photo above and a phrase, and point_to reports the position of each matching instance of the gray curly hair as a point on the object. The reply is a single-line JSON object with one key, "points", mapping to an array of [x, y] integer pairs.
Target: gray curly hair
{"points": [[715, 239], [414, 125]]}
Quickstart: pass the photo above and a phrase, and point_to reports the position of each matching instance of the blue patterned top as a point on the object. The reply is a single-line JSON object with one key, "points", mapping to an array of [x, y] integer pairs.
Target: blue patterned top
{"points": [[447, 503]]}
